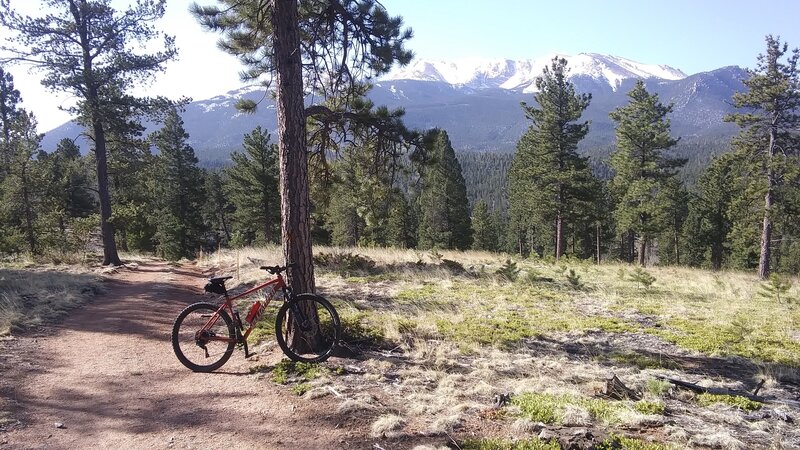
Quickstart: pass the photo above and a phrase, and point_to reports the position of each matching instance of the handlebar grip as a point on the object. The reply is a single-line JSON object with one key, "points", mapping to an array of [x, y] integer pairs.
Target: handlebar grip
{"points": [[278, 269]]}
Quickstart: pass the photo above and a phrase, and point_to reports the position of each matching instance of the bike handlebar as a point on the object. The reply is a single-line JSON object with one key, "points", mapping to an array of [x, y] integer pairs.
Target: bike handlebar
{"points": [[278, 269]]}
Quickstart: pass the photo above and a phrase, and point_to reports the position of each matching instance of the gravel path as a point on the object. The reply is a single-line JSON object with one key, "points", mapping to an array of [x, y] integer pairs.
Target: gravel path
{"points": [[106, 377]]}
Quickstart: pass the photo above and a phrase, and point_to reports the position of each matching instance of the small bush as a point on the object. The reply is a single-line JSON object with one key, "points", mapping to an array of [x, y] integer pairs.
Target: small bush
{"points": [[657, 387], [508, 271], [775, 288], [573, 278], [642, 278]]}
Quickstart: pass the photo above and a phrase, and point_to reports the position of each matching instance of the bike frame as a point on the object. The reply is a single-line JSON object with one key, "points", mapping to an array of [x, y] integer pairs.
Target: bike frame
{"points": [[278, 283]]}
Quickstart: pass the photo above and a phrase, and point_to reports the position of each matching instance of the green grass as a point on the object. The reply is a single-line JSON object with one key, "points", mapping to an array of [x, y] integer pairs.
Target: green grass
{"points": [[640, 361], [503, 444], [649, 408], [743, 403], [287, 369], [549, 408], [619, 442]]}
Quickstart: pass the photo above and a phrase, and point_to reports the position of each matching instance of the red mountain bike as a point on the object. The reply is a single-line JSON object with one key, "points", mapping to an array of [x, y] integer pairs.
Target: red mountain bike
{"points": [[204, 335]]}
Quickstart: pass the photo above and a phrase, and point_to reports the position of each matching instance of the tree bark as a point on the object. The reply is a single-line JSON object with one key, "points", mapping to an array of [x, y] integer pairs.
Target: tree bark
{"points": [[598, 242], [769, 200], [295, 225], [559, 236], [110, 255], [642, 251]]}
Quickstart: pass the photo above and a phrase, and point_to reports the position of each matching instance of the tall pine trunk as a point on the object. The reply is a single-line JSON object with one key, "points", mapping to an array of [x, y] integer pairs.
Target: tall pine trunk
{"points": [[559, 236], [642, 250], [769, 200], [110, 255], [295, 226]]}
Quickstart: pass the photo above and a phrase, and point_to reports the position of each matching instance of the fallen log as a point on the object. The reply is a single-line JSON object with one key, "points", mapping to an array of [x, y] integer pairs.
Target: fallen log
{"points": [[734, 392]]}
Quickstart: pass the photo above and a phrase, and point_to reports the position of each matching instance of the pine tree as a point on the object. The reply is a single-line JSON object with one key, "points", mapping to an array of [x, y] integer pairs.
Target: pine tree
{"points": [[83, 46], [252, 188], [769, 135], [22, 185], [444, 210], [708, 223], [484, 231], [218, 211], [9, 99], [66, 192], [341, 40], [548, 178], [132, 174], [180, 193], [643, 134], [674, 200]]}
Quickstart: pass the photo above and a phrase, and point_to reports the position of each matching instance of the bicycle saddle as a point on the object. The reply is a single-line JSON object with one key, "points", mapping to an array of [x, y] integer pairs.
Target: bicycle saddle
{"points": [[216, 285], [219, 280]]}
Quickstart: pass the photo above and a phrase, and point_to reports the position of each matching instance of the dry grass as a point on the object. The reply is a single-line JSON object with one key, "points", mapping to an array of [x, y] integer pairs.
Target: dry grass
{"points": [[465, 337], [33, 295]]}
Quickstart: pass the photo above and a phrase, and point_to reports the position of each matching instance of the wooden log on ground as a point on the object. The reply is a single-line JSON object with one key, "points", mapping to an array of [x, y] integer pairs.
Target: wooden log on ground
{"points": [[722, 391]]}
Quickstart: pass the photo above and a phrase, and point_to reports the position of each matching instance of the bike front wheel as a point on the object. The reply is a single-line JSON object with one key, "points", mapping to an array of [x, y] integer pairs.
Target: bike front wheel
{"points": [[307, 328], [199, 347]]}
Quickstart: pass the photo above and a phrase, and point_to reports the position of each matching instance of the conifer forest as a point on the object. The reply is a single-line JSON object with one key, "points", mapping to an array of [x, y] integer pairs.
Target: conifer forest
{"points": [[368, 180]]}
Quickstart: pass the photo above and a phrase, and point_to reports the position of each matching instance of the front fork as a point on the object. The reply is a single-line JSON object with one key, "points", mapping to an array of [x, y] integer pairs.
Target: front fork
{"points": [[300, 317]]}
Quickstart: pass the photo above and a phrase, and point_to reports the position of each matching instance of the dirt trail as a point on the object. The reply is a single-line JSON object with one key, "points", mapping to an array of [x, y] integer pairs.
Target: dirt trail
{"points": [[108, 374]]}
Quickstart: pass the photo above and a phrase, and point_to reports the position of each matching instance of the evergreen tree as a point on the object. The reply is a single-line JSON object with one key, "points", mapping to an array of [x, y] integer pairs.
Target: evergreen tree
{"points": [[219, 209], [179, 189], [769, 135], [484, 228], [444, 210], [367, 207], [341, 40], [132, 174], [674, 198], [21, 188], [252, 188], [641, 166], [548, 178], [708, 223], [9, 99], [83, 46], [66, 192]]}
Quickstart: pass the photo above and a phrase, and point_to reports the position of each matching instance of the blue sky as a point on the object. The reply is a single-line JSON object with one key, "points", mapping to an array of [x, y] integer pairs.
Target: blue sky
{"points": [[692, 36]]}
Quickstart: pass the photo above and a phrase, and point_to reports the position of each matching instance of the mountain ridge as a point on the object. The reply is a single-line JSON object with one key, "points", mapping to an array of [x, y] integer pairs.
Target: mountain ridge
{"points": [[483, 113], [521, 74]]}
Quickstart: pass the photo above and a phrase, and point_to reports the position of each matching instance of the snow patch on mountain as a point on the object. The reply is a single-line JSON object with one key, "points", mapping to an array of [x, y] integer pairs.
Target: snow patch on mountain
{"points": [[522, 74]]}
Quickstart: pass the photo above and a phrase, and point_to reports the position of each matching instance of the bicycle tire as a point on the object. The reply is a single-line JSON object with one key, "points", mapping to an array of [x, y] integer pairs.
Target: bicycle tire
{"points": [[185, 345], [325, 339]]}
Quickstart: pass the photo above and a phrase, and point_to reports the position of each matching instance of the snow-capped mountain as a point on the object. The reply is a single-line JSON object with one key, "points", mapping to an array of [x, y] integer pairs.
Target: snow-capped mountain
{"points": [[478, 104], [521, 75]]}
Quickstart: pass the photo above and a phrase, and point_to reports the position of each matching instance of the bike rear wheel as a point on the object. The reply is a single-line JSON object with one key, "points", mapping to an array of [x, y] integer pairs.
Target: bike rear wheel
{"points": [[195, 347], [306, 342]]}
